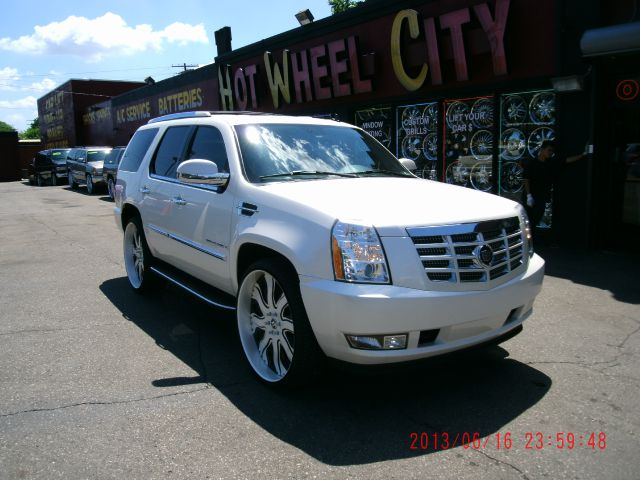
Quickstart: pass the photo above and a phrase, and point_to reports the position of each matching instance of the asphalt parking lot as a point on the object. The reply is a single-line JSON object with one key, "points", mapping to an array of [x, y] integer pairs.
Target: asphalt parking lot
{"points": [[98, 382]]}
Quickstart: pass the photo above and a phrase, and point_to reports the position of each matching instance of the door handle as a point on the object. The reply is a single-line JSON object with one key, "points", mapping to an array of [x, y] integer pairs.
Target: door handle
{"points": [[144, 190], [178, 200]]}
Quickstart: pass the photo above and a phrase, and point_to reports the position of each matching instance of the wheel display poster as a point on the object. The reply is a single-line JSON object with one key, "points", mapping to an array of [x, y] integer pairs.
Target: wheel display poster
{"points": [[417, 137], [468, 142], [377, 122], [526, 120]]}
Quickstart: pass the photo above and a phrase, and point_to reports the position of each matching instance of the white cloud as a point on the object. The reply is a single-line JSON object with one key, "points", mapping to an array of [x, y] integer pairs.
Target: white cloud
{"points": [[26, 102], [108, 35], [8, 78], [43, 86]]}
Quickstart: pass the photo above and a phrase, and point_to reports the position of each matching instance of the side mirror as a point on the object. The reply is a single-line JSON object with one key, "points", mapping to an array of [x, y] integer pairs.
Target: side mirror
{"points": [[201, 172], [408, 164]]}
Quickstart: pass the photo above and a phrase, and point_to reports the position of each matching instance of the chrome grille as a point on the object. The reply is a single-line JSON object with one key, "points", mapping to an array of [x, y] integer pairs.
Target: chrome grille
{"points": [[470, 252]]}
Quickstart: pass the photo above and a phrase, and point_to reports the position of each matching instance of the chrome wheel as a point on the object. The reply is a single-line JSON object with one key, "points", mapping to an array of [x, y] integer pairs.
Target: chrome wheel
{"points": [[89, 184], [111, 188], [72, 182], [266, 325], [134, 255]]}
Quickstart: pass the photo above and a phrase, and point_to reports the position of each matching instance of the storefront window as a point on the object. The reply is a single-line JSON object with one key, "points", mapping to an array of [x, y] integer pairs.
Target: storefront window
{"points": [[526, 120], [468, 142], [417, 137], [377, 122]]}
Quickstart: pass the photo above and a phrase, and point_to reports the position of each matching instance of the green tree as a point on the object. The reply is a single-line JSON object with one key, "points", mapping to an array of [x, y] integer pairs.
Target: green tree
{"points": [[33, 132], [5, 127], [338, 6]]}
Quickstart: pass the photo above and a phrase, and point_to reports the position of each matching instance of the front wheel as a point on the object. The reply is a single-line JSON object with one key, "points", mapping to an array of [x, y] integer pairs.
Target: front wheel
{"points": [[111, 188], [54, 179], [137, 257], [274, 329], [72, 181], [89, 184]]}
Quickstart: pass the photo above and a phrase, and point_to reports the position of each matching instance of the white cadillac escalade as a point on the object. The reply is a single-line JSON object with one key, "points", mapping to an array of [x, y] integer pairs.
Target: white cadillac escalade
{"points": [[323, 243]]}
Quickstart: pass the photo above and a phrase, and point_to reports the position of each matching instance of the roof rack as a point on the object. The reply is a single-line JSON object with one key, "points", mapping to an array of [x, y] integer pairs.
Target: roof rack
{"points": [[202, 113]]}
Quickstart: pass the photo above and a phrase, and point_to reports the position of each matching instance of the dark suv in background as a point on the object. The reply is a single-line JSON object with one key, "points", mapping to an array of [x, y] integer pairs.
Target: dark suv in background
{"points": [[84, 166], [48, 166], [110, 169]]}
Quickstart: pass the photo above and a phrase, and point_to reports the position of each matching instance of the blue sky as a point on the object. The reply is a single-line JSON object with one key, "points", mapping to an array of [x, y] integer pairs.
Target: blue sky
{"points": [[45, 43]]}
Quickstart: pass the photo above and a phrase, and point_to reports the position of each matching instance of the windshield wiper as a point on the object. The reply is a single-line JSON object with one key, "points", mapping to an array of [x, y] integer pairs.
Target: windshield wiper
{"points": [[386, 172], [295, 173]]}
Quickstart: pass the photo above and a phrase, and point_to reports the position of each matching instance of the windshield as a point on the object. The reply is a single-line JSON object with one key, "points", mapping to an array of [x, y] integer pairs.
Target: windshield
{"points": [[277, 152], [96, 155], [59, 155]]}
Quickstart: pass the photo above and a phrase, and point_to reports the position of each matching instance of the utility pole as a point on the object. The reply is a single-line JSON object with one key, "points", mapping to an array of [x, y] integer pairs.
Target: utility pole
{"points": [[184, 66]]}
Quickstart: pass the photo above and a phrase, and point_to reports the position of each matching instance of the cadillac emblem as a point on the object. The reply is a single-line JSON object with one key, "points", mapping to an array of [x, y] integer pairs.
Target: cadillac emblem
{"points": [[484, 255]]}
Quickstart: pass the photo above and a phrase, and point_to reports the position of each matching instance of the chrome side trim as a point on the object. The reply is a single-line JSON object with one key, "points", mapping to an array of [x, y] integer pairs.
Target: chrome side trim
{"points": [[209, 188], [193, 292], [188, 243]]}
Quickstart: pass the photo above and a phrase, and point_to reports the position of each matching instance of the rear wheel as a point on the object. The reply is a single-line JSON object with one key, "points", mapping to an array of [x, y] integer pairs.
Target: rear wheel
{"points": [[274, 329], [137, 257]]}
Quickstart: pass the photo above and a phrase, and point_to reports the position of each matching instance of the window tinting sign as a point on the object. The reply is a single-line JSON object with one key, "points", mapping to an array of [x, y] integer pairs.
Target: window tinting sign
{"points": [[377, 122]]}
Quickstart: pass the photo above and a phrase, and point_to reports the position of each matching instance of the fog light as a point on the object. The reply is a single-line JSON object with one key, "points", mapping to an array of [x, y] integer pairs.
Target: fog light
{"points": [[378, 342], [394, 342]]}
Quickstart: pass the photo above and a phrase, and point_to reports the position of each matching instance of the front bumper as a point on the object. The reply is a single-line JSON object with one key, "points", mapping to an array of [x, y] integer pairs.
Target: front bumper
{"points": [[463, 319]]}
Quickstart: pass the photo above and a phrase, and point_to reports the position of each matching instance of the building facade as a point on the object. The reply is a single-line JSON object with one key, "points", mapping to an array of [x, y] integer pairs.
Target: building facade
{"points": [[468, 89]]}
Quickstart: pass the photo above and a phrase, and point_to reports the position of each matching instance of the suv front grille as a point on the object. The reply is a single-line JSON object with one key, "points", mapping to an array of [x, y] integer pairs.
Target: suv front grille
{"points": [[470, 252]]}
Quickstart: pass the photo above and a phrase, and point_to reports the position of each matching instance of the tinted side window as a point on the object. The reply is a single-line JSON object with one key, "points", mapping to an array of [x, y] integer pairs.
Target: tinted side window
{"points": [[209, 145], [111, 157], [170, 151], [136, 149]]}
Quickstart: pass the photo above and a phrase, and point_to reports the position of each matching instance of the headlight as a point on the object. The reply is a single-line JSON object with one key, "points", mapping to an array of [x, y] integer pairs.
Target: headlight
{"points": [[527, 231], [357, 254]]}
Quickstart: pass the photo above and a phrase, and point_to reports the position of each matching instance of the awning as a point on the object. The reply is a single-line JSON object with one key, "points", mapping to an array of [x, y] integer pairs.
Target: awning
{"points": [[617, 39]]}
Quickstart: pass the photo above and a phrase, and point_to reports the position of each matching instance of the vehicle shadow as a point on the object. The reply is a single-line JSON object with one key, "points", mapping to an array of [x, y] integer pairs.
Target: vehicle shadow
{"points": [[616, 272], [342, 418]]}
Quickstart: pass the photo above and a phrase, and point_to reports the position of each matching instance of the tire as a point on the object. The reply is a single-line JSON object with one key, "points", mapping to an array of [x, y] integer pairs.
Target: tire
{"points": [[39, 180], [111, 188], [54, 179], [137, 258], [275, 333], [72, 183], [89, 179]]}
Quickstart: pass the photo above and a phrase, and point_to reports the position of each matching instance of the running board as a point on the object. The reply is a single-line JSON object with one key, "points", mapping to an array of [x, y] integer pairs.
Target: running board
{"points": [[195, 287]]}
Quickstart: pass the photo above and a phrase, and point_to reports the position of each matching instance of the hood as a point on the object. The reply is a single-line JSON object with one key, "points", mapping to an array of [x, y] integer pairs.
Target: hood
{"points": [[393, 204]]}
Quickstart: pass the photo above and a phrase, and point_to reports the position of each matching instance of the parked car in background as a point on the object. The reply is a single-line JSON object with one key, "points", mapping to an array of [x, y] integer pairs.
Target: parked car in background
{"points": [[84, 166], [110, 169], [48, 166]]}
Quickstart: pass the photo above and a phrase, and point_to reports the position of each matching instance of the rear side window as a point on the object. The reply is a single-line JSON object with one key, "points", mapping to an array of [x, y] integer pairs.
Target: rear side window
{"points": [[170, 151], [209, 145], [136, 149], [112, 157]]}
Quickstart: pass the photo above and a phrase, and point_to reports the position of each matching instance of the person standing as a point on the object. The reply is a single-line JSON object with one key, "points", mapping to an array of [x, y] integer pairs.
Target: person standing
{"points": [[538, 176]]}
